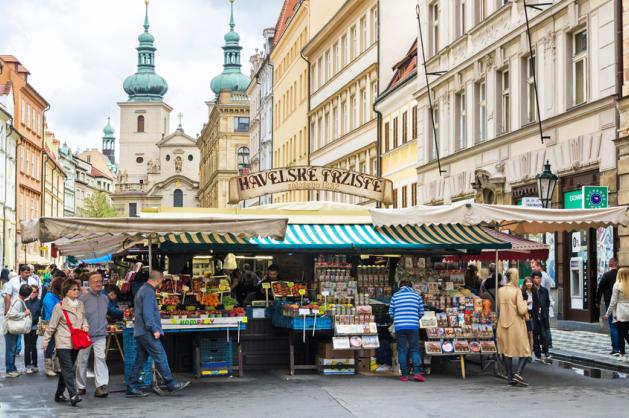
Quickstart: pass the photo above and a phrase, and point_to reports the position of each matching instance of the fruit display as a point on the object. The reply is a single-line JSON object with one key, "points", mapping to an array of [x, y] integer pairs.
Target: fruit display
{"points": [[170, 300], [280, 289], [115, 328], [208, 299]]}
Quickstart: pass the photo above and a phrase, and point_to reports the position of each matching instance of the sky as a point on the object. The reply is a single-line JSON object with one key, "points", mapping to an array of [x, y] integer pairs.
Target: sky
{"points": [[80, 51]]}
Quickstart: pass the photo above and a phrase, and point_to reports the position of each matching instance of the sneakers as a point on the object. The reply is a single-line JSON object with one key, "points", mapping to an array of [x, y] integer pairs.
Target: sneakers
{"points": [[615, 354], [621, 357], [176, 387], [81, 392], [34, 370], [403, 378], [49, 367], [12, 375], [135, 393], [519, 380], [383, 368], [29, 370], [419, 378], [101, 392]]}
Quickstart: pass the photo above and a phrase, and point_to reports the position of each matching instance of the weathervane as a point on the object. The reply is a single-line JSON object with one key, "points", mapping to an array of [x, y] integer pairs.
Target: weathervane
{"points": [[180, 116]]}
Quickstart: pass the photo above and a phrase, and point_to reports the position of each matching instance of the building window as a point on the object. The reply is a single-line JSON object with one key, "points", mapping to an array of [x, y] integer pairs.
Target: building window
{"points": [[335, 56], [481, 90], [414, 194], [139, 160], [321, 74], [481, 11], [363, 106], [328, 127], [353, 42], [344, 50], [178, 198], [434, 27], [363, 33], [190, 157], [386, 137], [395, 133], [394, 198], [461, 121], [374, 25], [579, 67], [335, 122], [374, 95], [505, 102], [23, 112], [435, 134], [243, 161], [414, 122], [328, 65], [531, 103], [404, 196], [167, 157], [353, 112], [461, 28], [241, 124], [319, 132], [140, 127], [344, 116], [29, 121], [133, 210], [404, 127]]}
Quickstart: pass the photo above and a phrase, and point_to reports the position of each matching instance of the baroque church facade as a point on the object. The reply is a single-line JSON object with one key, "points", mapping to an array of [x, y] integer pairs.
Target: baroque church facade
{"points": [[158, 167]]}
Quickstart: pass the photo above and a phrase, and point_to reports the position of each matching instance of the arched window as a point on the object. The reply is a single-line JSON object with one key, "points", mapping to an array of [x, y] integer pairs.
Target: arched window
{"points": [[243, 161], [178, 198], [140, 123]]}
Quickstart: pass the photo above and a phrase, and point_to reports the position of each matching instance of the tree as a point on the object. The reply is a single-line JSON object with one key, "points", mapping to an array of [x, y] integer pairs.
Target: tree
{"points": [[97, 206]]}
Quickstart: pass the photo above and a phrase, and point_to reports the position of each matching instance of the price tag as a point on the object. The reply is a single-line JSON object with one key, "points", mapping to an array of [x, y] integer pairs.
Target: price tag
{"points": [[290, 284], [266, 285], [304, 311], [302, 291]]}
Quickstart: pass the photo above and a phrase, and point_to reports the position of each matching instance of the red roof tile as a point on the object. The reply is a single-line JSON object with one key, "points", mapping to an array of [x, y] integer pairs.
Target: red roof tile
{"points": [[288, 11], [97, 173], [406, 67], [5, 88]]}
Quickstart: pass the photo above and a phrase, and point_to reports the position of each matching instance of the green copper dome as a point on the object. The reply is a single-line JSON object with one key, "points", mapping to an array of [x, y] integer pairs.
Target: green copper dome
{"points": [[145, 85], [108, 130], [232, 78]]}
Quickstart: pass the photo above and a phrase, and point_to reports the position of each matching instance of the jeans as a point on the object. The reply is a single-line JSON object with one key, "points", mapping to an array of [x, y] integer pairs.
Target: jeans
{"points": [[18, 347], [613, 334], [408, 341], [67, 358], [148, 345], [10, 345], [623, 335], [101, 371], [30, 352]]}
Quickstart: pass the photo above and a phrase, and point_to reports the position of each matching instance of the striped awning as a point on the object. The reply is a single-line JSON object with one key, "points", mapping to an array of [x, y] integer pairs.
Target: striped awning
{"points": [[361, 236]]}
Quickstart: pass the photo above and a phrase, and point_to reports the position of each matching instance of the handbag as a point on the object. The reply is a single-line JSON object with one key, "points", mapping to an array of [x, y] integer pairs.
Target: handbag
{"points": [[19, 326], [41, 327], [80, 339]]}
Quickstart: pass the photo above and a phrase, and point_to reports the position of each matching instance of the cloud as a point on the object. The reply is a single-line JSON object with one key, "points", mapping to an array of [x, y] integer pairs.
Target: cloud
{"points": [[80, 51]]}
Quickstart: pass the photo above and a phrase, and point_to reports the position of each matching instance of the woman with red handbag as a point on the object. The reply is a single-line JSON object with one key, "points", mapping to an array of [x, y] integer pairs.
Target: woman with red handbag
{"points": [[69, 327]]}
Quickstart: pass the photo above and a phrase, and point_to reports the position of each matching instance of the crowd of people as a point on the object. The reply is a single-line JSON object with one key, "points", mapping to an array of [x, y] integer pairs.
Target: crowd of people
{"points": [[58, 308]]}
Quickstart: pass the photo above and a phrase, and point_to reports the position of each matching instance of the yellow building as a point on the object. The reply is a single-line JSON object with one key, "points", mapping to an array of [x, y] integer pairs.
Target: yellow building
{"points": [[298, 21], [54, 177], [224, 141], [398, 131], [343, 58]]}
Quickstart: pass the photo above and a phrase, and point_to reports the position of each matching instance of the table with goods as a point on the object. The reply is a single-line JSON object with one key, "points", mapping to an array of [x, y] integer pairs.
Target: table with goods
{"points": [[202, 306]]}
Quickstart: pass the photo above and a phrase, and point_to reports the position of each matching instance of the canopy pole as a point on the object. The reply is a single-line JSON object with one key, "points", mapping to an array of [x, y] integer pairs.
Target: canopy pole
{"points": [[150, 243]]}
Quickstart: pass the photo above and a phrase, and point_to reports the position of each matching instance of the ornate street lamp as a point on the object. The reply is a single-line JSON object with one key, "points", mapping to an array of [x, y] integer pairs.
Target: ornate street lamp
{"points": [[546, 182]]}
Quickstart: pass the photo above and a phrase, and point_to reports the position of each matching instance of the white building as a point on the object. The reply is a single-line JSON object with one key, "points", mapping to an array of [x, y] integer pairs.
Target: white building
{"points": [[486, 119], [157, 167], [260, 93], [8, 148]]}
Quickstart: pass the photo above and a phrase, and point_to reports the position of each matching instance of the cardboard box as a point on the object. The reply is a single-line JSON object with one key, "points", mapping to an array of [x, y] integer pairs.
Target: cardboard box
{"points": [[336, 361], [326, 350], [364, 365], [371, 352]]}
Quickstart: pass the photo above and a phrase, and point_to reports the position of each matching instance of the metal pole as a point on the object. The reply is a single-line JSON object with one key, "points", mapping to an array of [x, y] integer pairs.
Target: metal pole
{"points": [[150, 243]]}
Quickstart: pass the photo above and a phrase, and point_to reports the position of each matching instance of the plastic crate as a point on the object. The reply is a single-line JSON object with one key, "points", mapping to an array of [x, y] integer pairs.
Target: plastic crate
{"points": [[215, 368], [323, 322], [214, 357], [130, 353]]}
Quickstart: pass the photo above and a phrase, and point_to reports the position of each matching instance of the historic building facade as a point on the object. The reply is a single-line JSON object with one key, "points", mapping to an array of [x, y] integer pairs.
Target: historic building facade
{"points": [[224, 141], [343, 59], [157, 167], [66, 159], [29, 122], [8, 152], [485, 111], [260, 93]]}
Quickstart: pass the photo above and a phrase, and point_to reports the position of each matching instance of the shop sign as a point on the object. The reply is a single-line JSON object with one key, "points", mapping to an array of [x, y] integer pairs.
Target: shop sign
{"points": [[310, 178], [530, 202], [589, 197]]}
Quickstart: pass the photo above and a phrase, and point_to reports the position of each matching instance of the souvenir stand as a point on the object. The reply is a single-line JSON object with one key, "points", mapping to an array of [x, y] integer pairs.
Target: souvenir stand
{"points": [[342, 299]]}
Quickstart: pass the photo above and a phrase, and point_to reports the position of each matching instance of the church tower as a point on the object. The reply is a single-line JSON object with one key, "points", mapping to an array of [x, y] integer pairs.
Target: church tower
{"points": [[144, 117], [109, 142]]}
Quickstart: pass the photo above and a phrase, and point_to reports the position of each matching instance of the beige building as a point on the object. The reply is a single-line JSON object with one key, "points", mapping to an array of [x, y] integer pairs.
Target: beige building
{"points": [[343, 59], [486, 119], [53, 180], [299, 20], [622, 143], [224, 141]]}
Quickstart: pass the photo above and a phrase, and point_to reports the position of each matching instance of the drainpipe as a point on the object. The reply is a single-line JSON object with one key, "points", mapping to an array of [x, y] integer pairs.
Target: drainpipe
{"points": [[308, 113], [618, 22], [379, 118]]}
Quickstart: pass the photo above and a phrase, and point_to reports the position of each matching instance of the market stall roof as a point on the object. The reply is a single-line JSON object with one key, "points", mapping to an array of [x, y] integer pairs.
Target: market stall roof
{"points": [[352, 236], [100, 260], [296, 213], [98, 245], [521, 249], [51, 229], [518, 219]]}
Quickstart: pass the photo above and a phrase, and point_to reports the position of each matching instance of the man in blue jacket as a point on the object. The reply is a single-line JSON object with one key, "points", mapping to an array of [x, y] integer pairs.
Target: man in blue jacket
{"points": [[147, 331], [406, 308]]}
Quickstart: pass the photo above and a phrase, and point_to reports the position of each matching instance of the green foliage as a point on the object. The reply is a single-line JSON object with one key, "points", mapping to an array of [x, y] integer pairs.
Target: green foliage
{"points": [[97, 206]]}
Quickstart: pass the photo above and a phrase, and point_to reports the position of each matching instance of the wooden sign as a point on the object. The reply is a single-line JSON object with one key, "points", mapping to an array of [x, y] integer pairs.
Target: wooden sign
{"points": [[310, 178]]}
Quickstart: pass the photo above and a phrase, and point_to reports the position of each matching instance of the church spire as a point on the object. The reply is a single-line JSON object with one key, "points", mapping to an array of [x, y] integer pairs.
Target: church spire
{"points": [[109, 142], [145, 85]]}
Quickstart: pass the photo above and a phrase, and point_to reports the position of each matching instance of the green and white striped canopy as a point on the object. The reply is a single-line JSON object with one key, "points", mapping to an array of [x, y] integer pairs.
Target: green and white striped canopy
{"points": [[361, 236]]}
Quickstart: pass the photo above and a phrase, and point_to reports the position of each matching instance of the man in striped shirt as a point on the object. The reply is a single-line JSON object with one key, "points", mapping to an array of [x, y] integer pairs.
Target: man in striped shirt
{"points": [[406, 308]]}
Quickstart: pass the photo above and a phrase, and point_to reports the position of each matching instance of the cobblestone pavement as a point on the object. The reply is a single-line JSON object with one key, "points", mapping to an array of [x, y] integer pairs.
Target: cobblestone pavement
{"points": [[587, 346]]}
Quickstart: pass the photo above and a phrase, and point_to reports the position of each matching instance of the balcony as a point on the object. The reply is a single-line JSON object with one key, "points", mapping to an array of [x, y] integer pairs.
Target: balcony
{"points": [[130, 188]]}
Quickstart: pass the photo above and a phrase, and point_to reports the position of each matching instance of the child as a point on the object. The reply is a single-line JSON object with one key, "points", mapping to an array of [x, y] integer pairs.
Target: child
{"points": [[34, 304]]}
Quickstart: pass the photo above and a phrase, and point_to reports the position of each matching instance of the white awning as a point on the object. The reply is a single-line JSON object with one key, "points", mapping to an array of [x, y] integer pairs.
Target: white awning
{"points": [[520, 220]]}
